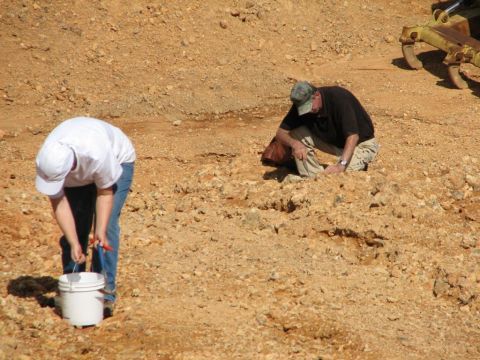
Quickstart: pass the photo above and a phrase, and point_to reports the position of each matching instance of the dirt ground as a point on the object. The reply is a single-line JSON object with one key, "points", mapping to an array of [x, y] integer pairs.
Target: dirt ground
{"points": [[219, 259]]}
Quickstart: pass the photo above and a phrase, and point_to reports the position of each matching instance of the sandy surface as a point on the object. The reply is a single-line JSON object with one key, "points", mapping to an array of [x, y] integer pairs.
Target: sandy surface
{"points": [[218, 259]]}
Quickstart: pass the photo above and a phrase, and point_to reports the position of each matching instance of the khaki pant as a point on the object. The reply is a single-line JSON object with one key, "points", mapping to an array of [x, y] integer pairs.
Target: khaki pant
{"points": [[364, 153]]}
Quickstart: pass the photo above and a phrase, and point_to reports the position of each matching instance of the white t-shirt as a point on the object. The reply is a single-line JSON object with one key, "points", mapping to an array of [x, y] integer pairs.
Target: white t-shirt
{"points": [[100, 149]]}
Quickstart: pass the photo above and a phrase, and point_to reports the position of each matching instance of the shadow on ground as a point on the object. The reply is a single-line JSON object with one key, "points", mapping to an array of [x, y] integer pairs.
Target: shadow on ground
{"points": [[433, 63], [27, 286]]}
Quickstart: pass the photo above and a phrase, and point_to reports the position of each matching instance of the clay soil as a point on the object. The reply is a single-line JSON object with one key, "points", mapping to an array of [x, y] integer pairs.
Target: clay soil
{"points": [[219, 258]]}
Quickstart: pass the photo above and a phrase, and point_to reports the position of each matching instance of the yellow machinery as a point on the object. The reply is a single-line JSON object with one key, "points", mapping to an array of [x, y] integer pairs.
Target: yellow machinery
{"points": [[453, 30]]}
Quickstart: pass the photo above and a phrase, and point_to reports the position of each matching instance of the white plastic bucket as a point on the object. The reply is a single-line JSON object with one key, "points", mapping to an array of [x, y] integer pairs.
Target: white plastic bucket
{"points": [[82, 297]]}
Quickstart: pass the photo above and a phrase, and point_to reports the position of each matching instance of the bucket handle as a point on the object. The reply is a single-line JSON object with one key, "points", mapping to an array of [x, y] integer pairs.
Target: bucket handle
{"points": [[71, 282]]}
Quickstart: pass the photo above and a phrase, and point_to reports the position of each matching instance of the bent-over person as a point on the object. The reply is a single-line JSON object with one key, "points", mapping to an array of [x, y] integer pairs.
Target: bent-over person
{"points": [[85, 167], [332, 120]]}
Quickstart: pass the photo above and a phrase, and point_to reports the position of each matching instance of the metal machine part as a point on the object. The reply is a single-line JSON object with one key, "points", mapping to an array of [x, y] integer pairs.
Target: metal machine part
{"points": [[453, 30], [454, 6]]}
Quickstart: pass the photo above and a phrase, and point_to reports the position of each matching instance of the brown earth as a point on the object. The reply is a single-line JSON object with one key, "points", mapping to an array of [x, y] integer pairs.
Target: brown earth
{"points": [[217, 262]]}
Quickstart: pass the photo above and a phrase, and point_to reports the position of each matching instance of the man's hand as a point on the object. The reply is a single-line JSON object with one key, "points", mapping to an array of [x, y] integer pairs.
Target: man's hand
{"points": [[101, 239], [77, 254], [299, 150], [334, 169]]}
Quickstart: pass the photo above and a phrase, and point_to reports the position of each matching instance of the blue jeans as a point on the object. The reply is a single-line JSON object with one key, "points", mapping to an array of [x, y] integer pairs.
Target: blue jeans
{"points": [[82, 202]]}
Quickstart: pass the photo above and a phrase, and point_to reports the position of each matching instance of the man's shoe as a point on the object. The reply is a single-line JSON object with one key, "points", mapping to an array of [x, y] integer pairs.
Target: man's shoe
{"points": [[292, 178], [108, 307]]}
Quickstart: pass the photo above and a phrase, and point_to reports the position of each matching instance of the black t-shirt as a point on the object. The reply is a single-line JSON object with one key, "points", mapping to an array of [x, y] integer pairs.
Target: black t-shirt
{"points": [[340, 116]]}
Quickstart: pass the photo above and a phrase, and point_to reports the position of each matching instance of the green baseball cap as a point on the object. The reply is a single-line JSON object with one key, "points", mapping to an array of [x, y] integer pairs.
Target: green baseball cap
{"points": [[301, 96]]}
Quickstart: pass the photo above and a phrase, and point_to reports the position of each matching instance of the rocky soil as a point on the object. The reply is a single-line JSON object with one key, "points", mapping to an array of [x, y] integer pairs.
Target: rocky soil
{"points": [[220, 259]]}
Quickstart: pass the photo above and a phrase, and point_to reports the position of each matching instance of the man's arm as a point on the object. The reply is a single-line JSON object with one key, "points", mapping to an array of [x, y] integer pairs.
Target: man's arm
{"points": [[299, 150], [291, 121], [63, 215], [350, 144], [104, 207]]}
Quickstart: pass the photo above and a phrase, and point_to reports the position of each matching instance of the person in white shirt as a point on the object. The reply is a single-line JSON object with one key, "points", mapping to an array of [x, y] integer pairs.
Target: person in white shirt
{"points": [[86, 167]]}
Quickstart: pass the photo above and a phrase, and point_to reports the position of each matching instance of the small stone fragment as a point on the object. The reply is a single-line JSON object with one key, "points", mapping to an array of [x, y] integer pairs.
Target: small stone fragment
{"points": [[389, 39]]}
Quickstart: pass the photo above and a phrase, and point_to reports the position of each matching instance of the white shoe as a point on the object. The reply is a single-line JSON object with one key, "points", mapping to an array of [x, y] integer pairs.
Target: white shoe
{"points": [[292, 178]]}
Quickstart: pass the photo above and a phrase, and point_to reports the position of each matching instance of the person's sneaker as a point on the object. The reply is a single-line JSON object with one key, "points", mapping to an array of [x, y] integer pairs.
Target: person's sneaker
{"points": [[108, 307]]}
